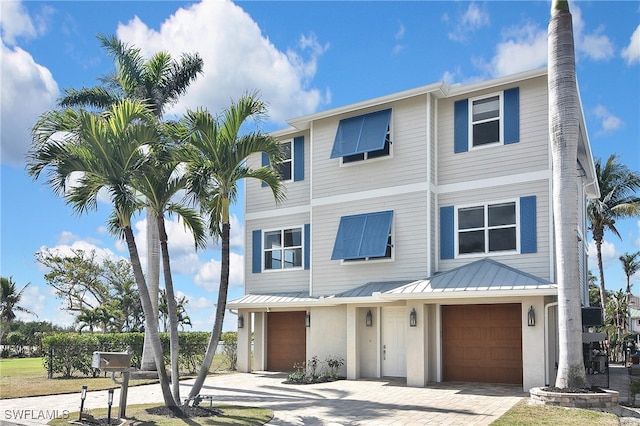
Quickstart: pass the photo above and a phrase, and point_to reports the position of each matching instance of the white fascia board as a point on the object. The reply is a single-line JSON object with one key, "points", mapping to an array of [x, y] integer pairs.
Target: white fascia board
{"points": [[284, 133], [500, 81], [466, 294], [438, 90]]}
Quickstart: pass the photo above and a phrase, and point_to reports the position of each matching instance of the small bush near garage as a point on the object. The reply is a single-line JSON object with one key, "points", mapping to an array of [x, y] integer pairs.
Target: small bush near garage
{"points": [[316, 371]]}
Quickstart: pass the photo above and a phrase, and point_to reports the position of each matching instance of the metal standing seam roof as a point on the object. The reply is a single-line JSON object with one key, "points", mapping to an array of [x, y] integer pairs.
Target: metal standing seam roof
{"points": [[634, 313], [484, 274]]}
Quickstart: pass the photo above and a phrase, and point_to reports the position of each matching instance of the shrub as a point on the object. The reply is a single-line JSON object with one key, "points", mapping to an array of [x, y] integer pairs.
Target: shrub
{"points": [[315, 372], [230, 349]]}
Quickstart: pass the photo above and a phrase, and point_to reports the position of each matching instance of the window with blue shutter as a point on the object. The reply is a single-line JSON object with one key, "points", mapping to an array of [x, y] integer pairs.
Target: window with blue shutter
{"points": [[477, 121], [362, 137], [281, 249], [292, 166], [363, 236]]}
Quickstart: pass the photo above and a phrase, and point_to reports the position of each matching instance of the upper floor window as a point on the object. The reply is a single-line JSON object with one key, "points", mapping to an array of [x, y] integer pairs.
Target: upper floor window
{"points": [[363, 137], [364, 237], [285, 168], [486, 229], [283, 249], [485, 121]]}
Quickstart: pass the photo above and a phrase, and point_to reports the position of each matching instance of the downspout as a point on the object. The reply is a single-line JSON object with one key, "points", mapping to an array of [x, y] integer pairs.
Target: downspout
{"points": [[546, 341], [429, 224], [310, 208]]}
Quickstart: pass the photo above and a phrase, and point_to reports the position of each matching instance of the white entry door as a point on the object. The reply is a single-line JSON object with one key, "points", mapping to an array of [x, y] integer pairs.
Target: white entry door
{"points": [[394, 356]]}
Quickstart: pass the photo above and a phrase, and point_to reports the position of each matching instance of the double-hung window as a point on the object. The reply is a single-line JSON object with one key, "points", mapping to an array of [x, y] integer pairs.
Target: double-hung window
{"points": [[488, 228], [285, 168], [283, 249], [485, 121], [363, 137], [364, 237]]}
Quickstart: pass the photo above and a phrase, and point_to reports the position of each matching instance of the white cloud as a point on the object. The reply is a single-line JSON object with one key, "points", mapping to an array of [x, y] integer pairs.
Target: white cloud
{"points": [[631, 53], [70, 243], [472, 19], [237, 58], [208, 277], [609, 122], [22, 78], [16, 22], [595, 45], [610, 254]]}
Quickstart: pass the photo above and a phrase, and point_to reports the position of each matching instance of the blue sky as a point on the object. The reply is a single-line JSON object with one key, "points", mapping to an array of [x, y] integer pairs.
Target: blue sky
{"points": [[303, 57]]}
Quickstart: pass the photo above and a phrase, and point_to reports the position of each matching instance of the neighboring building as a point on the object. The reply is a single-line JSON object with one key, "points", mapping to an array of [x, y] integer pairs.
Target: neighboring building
{"points": [[416, 239]]}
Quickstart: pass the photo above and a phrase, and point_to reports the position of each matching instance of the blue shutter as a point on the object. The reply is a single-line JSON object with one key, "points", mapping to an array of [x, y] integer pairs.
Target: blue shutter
{"points": [[375, 235], [374, 131], [307, 246], [528, 238], [298, 158], [364, 133], [447, 233], [265, 162], [461, 126], [512, 115], [362, 235], [348, 238], [256, 266]]}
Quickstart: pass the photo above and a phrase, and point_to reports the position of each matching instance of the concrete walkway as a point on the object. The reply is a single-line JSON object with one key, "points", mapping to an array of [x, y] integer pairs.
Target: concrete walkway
{"points": [[345, 402]]}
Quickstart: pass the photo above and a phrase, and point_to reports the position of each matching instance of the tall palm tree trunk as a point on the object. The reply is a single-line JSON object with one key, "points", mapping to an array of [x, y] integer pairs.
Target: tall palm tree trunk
{"points": [[172, 308], [222, 303], [151, 322], [564, 116], [153, 281], [598, 235]]}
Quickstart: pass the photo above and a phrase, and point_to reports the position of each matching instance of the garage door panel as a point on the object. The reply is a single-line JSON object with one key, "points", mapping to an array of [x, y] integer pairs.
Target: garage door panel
{"points": [[482, 343]]}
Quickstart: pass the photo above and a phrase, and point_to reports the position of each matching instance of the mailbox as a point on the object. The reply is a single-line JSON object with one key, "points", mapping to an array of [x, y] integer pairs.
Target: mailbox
{"points": [[111, 361]]}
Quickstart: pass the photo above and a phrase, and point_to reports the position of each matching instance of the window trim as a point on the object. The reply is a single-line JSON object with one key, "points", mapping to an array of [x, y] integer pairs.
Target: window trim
{"points": [[281, 230], [486, 228], [500, 118]]}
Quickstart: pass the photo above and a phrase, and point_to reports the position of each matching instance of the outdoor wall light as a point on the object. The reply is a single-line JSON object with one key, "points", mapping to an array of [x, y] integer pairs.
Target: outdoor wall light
{"points": [[413, 318], [369, 319], [240, 321], [307, 320], [531, 317]]}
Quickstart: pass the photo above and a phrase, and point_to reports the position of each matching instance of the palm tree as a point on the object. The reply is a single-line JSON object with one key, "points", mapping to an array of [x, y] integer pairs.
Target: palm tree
{"points": [[564, 129], [10, 298], [618, 200], [631, 265], [217, 161], [108, 150], [159, 81], [88, 318], [159, 185]]}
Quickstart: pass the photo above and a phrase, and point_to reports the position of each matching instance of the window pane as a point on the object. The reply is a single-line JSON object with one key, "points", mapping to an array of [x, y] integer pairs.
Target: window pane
{"points": [[293, 258], [472, 217], [352, 158], [284, 170], [286, 150], [471, 242], [272, 259], [380, 153], [502, 239], [292, 237], [486, 108], [485, 133], [502, 214], [272, 240]]}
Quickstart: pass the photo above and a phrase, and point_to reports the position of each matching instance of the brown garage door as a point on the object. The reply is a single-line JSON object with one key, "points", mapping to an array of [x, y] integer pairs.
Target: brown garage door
{"points": [[286, 340], [482, 343]]}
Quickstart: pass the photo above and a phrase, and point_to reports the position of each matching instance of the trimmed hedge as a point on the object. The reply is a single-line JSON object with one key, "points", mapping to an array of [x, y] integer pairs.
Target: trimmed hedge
{"points": [[70, 354]]}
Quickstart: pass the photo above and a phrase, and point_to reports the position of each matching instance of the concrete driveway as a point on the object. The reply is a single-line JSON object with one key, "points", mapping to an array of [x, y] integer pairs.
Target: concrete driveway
{"points": [[345, 402]]}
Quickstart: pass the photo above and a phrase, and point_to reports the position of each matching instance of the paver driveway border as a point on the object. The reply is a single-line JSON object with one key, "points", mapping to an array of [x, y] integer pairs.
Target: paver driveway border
{"points": [[344, 402]]}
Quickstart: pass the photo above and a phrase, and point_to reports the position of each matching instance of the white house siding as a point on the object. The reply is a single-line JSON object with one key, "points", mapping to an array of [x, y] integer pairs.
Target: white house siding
{"points": [[276, 281], [409, 234], [327, 335], [260, 198], [530, 154], [537, 263], [406, 165]]}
